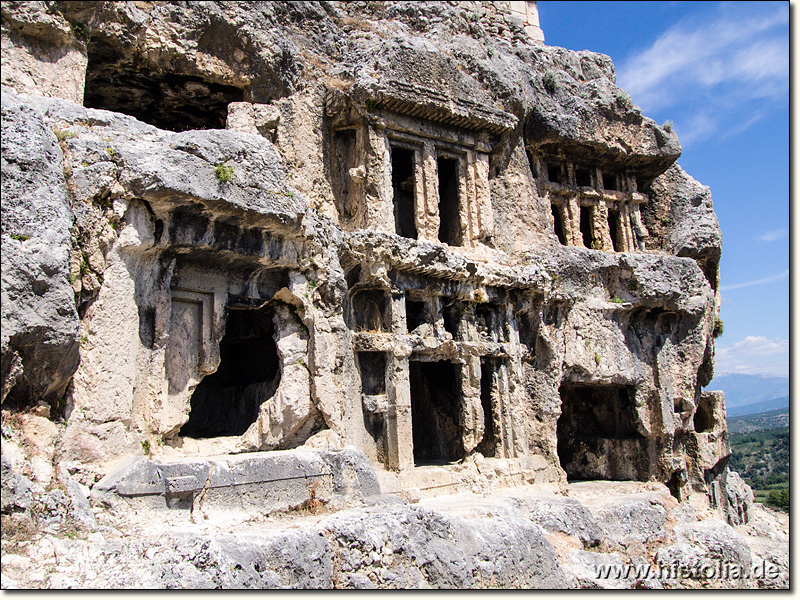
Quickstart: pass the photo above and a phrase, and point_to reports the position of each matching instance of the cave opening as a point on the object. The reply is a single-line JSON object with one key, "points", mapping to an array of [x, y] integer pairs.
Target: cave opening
{"points": [[558, 224], [613, 228], [586, 226], [226, 402], [435, 406], [489, 373], [403, 191], [168, 101], [449, 213], [597, 436]]}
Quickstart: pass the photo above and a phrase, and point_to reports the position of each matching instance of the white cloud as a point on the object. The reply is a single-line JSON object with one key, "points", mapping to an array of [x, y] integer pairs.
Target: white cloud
{"points": [[774, 235], [754, 355], [762, 281], [731, 60]]}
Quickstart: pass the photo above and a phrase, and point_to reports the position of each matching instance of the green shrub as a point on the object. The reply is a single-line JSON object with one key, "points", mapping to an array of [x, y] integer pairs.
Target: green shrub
{"points": [[719, 327], [20, 237], [668, 126], [224, 172], [550, 81], [622, 99]]}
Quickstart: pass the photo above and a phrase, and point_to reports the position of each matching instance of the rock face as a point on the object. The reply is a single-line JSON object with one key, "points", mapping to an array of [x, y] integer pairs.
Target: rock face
{"points": [[405, 227]]}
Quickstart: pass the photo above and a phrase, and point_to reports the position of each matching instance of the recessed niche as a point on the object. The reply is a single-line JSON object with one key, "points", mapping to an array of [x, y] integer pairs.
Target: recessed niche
{"points": [[449, 209], [703, 417], [610, 181], [371, 311], [435, 402], [558, 224], [226, 402], [403, 192], [597, 431], [583, 177], [554, 173], [416, 313], [489, 374], [614, 229], [372, 367], [587, 235]]}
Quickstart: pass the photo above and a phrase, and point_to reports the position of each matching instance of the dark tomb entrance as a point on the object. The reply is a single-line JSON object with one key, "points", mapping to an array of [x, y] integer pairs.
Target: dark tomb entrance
{"points": [[449, 214], [586, 226], [372, 368], [226, 402], [489, 373], [597, 434], [435, 406], [403, 189], [558, 224], [613, 229]]}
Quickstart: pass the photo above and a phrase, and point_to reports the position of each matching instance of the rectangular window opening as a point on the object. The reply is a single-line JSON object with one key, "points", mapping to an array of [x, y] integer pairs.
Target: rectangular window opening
{"points": [[610, 181], [613, 228], [403, 185], [586, 226], [449, 209], [554, 173], [583, 177]]}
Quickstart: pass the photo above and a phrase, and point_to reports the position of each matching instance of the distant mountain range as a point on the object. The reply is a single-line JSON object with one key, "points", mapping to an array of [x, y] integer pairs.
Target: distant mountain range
{"points": [[753, 393]]}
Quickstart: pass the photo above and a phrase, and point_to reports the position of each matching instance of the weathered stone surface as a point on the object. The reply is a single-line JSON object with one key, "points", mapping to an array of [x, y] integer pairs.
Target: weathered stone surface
{"points": [[642, 521], [563, 515], [408, 230], [39, 319]]}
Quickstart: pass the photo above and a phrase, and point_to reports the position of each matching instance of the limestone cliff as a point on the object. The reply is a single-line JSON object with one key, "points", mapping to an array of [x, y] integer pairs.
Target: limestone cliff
{"points": [[406, 228]]}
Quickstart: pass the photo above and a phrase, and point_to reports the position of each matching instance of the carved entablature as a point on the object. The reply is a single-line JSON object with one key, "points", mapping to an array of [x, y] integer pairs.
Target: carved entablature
{"points": [[413, 161], [595, 202]]}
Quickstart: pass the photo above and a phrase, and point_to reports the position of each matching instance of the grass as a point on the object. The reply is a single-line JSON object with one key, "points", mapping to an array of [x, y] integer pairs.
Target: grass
{"points": [[20, 237], [224, 172], [668, 126]]}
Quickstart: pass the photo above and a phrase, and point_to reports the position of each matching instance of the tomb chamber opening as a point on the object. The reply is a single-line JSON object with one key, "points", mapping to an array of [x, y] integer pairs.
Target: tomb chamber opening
{"points": [[227, 402]]}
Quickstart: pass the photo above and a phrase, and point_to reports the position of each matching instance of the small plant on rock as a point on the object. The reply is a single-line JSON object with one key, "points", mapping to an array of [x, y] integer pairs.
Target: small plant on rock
{"points": [[668, 126], [719, 327], [224, 172], [550, 81], [622, 99]]}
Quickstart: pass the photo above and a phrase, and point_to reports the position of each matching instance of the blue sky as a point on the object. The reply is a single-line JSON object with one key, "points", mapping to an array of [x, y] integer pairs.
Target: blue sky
{"points": [[720, 72]]}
